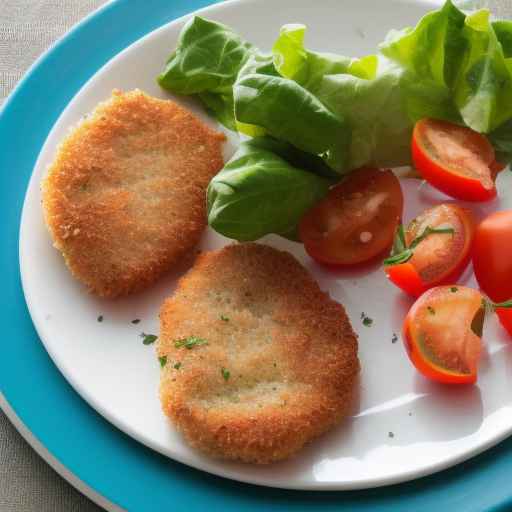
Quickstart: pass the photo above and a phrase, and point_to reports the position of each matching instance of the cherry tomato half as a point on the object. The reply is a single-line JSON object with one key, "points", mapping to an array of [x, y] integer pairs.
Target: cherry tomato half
{"points": [[456, 160], [357, 219], [492, 261], [442, 334], [439, 258]]}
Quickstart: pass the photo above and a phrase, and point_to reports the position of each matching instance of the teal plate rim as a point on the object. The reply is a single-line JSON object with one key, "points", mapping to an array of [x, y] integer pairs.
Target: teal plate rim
{"points": [[107, 465]]}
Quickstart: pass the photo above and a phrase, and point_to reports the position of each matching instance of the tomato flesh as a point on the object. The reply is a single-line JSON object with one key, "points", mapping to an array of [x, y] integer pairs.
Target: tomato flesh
{"points": [[440, 337], [356, 221], [441, 257], [456, 160], [492, 260]]}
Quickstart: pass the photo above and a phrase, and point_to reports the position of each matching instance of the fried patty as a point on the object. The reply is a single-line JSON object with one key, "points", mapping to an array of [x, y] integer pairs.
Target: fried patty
{"points": [[125, 197], [258, 360]]}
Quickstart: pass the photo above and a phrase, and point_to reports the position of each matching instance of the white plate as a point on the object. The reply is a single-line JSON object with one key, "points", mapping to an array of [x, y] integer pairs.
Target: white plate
{"points": [[433, 427]]}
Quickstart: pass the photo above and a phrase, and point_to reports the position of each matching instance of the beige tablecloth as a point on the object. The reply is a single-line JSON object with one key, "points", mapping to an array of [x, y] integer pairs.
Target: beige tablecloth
{"points": [[27, 28]]}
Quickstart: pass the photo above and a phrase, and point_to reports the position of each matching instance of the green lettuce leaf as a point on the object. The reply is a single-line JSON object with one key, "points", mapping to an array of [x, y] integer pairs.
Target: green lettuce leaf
{"points": [[353, 112], [289, 112], [221, 107], [457, 67], [503, 31], [501, 139], [431, 50], [293, 61], [206, 63], [483, 92], [369, 98], [259, 192]]}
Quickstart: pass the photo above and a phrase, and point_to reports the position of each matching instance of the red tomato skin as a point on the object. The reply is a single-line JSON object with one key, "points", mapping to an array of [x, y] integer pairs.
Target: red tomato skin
{"points": [[459, 187], [426, 368], [407, 278], [492, 255], [505, 317], [497, 167], [492, 261], [321, 253]]}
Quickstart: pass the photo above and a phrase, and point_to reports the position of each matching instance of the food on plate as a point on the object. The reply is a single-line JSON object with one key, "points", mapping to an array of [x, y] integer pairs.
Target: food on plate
{"points": [[492, 261], [263, 189], [350, 113], [258, 360], [455, 159], [433, 250], [442, 334], [124, 197], [356, 221]]}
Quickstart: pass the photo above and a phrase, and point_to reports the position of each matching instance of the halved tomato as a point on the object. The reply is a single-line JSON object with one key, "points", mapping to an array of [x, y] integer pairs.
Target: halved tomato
{"points": [[435, 250], [442, 334], [455, 159], [357, 219], [492, 260]]}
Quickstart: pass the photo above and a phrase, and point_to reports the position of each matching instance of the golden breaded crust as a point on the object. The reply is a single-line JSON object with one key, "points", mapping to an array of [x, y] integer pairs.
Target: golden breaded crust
{"points": [[289, 349], [125, 197]]}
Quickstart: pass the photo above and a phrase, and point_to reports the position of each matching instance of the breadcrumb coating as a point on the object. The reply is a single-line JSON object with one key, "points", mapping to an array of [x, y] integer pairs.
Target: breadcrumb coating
{"points": [[125, 196], [276, 362]]}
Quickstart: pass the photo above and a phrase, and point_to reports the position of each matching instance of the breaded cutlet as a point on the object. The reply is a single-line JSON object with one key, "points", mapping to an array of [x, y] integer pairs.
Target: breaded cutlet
{"points": [[258, 360], [125, 196]]}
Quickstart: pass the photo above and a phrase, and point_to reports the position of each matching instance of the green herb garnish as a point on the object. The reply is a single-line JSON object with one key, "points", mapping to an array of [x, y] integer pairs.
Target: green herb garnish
{"points": [[453, 289], [136, 321], [225, 373], [148, 339], [390, 434], [163, 361], [190, 342], [224, 318], [394, 339], [367, 321], [507, 304], [100, 318], [177, 366], [401, 252]]}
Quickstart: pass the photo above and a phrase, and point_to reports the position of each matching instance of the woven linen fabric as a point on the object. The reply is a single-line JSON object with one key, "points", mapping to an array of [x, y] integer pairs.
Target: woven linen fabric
{"points": [[27, 29]]}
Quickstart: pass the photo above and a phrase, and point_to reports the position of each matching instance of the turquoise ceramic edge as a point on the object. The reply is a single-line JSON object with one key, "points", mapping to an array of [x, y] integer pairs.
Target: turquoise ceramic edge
{"points": [[120, 469]]}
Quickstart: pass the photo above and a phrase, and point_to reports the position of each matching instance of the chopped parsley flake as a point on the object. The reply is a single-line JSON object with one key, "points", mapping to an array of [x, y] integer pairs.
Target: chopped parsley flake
{"points": [[163, 361], [363, 315], [394, 339], [367, 321], [390, 434], [148, 339], [431, 310], [453, 289], [177, 366], [225, 373], [100, 318], [190, 342], [224, 318], [136, 321]]}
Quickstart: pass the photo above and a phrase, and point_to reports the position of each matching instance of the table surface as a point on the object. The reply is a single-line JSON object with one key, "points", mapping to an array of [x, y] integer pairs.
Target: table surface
{"points": [[27, 483]]}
